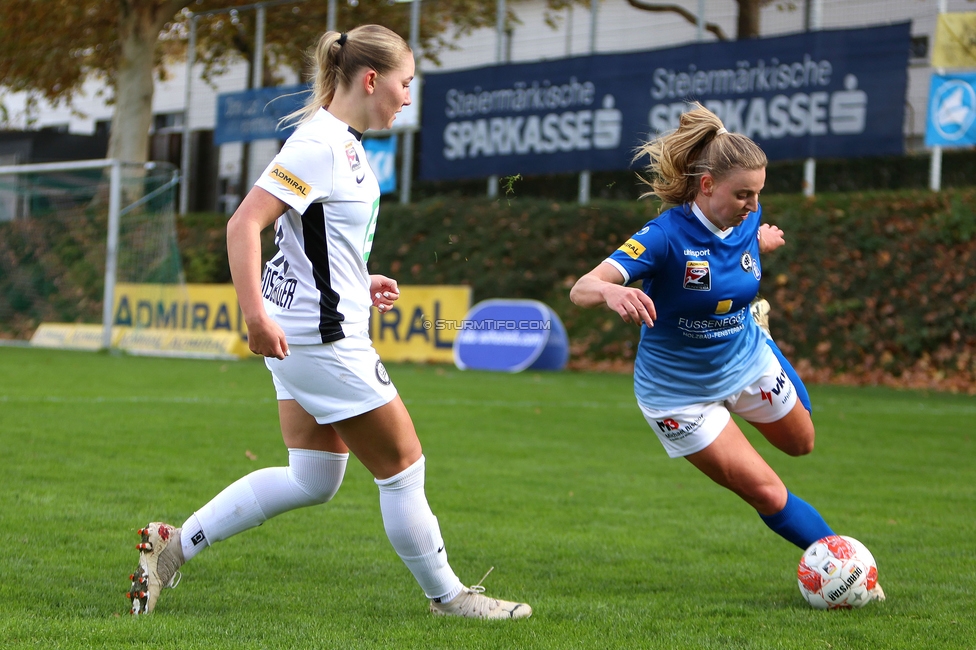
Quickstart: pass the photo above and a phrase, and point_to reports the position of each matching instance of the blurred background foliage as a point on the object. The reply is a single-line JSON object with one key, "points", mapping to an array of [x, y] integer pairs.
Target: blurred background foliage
{"points": [[871, 288]]}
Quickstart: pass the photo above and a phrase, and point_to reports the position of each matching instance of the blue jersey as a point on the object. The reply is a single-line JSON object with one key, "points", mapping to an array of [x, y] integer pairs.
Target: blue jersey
{"points": [[704, 345]]}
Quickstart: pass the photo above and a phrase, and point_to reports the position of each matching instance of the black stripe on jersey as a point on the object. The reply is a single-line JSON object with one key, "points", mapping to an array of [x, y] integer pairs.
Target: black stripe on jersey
{"points": [[317, 250]]}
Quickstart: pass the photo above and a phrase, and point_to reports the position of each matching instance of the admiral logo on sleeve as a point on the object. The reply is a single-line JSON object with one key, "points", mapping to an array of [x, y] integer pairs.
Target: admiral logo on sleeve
{"points": [[289, 180], [633, 248]]}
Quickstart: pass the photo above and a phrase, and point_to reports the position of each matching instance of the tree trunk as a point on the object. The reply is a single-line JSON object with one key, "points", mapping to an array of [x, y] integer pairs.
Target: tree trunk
{"points": [[747, 25], [140, 22]]}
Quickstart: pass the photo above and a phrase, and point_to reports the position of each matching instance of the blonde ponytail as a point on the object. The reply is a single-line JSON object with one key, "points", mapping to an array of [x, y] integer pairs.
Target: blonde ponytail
{"points": [[339, 56], [700, 145]]}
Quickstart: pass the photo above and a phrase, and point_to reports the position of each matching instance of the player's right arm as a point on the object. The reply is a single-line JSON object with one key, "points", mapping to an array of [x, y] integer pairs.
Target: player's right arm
{"points": [[257, 211], [604, 286]]}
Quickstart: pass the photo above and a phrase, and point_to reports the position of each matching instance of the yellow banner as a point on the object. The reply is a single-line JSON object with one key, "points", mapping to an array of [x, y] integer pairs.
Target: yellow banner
{"points": [[194, 307], [182, 343], [142, 340], [422, 324], [71, 336], [955, 41]]}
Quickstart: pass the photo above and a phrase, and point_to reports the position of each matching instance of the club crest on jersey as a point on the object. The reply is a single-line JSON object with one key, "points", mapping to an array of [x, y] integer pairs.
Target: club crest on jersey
{"points": [[633, 248], [746, 261], [749, 264], [697, 276], [352, 157]]}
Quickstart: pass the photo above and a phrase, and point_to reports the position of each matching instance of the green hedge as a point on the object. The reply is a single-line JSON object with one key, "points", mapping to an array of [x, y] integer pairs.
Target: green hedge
{"points": [[870, 288]]}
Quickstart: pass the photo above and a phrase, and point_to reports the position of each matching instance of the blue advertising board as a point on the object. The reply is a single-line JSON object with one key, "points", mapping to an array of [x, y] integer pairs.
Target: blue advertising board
{"points": [[511, 336], [823, 94], [251, 115], [952, 111], [381, 154]]}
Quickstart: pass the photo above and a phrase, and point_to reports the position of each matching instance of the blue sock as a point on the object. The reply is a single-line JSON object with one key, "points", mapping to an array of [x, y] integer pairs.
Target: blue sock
{"points": [[801, 390], [797, 522]]}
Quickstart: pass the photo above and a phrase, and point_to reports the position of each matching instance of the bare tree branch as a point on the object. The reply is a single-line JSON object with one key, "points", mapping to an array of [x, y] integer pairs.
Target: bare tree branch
{"points": [[681, 11]]}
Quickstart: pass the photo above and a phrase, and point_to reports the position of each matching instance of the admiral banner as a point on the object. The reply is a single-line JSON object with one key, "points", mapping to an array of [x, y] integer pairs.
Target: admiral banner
{"points": [[824, 94], [422, 324]]}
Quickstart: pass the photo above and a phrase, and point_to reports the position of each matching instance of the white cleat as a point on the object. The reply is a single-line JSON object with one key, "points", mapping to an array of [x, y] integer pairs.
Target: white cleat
{"points": [[160, 557], [472, 603], [877, 593]]}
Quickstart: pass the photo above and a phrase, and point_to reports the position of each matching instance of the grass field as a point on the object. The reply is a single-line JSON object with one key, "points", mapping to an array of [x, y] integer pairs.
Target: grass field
{"points": [[553, 479]]}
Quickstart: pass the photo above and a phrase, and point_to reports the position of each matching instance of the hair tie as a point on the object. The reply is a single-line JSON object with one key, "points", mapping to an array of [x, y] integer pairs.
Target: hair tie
{"points": [[343, 38], [720, 131]]}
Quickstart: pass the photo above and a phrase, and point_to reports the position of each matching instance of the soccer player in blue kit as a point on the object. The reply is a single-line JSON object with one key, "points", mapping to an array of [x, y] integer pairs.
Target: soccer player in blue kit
{"points": [[701, 355]]}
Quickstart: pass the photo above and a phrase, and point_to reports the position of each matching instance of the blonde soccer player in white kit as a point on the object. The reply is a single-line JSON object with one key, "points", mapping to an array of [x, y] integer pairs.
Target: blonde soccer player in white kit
{"points": [[307, 314]]}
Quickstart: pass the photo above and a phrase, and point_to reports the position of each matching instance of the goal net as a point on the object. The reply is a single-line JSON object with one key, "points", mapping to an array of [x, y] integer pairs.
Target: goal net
{"points": [[71, 232]]}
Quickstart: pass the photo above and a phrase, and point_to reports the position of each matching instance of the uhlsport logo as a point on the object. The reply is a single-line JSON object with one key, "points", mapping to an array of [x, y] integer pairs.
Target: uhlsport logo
{"points": [[953, 109]]}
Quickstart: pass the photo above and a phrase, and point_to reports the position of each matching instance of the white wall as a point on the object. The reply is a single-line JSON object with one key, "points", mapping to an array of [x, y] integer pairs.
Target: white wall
{"points": [[620, 28]]}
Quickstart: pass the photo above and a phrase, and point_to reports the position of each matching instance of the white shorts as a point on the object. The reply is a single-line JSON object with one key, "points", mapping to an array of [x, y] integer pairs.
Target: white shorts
{"points": [[691, 428], [333, 381]]}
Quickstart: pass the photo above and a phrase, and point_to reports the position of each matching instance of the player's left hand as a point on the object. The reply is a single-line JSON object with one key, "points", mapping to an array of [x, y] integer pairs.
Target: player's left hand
{"points": [[383, 292], [770, 238]]}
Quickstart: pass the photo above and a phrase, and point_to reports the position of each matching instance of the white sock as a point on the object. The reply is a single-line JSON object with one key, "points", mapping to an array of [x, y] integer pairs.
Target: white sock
{"points": [[414, 533], [312, 477]]}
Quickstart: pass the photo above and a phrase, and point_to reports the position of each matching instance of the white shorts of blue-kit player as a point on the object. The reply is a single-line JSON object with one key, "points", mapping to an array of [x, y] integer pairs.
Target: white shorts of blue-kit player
{"points": [[689, 429], [333, 381]]}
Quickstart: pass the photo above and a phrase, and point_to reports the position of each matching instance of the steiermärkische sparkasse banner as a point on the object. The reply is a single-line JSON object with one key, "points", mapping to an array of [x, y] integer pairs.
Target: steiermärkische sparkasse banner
{"points": [[824, 94]]}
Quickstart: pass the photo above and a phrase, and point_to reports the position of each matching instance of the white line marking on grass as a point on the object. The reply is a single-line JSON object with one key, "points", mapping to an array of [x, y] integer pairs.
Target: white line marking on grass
{"points": [[60, 399], [516, 404], [135, 399]]}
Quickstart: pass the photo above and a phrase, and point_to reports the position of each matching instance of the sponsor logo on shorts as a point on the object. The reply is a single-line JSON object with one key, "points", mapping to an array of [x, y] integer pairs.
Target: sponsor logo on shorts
{"points": [[633, 248], [697, 276], [673, 430], [381, 375], [667, 424], [289, 180], [777, 392]]}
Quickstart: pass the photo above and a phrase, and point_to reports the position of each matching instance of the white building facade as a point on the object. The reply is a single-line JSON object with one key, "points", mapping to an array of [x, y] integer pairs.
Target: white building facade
{"points": [[612, 26]]}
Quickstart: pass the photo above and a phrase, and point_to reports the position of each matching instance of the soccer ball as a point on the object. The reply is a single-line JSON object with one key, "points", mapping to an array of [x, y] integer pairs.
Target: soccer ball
{"points": [[837, 572]]}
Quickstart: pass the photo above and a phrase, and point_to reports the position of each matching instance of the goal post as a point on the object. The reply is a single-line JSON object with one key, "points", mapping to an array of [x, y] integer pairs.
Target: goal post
{"points": [[51, 217]]}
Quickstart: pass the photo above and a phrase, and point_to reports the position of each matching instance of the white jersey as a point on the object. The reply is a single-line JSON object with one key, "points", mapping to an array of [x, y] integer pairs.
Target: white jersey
{"points": [[317, 287]]}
